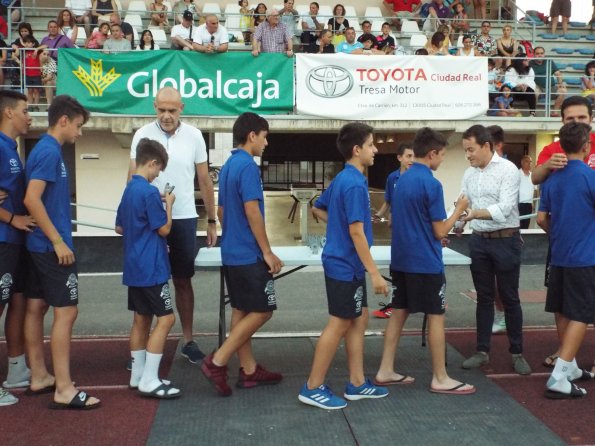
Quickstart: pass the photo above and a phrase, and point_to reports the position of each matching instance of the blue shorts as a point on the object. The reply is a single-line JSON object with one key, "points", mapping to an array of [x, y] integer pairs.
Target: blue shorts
{"points": [[182, 247], [251, 287], [419, 293]]}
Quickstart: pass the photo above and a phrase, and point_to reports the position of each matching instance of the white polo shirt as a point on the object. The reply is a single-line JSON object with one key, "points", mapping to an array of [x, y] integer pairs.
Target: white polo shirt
{"points": [[183, 32], [203, 37], [185, 148]]}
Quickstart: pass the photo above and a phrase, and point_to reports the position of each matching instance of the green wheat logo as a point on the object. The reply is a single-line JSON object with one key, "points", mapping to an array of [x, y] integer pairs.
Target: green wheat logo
{"points": [[96, 82]]}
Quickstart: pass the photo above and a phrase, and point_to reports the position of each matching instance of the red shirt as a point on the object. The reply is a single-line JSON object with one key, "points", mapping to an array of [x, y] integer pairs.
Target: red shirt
{"points": [[555, 147], [32, 64], [403, 5]]}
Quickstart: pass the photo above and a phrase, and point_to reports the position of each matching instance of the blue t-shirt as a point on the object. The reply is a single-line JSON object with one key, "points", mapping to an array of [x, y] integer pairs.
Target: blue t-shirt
{"points": [[45, 163], [345, 47], [505, 101], [391, 184], [239, 183], [568, 196], [12, 180], [141, 214], [417, 203], [347, 201]]}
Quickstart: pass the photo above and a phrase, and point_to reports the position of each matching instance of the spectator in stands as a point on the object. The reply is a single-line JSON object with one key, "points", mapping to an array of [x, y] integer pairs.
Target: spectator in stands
{"points": [[290, 17], [81, 9], [272, 36], [210, 37], [3, 60], [338, 24], [560, 8], [182, 35], [32, 66], [526, 192], [146, 41], [385, 41], [126, 27], [494, 77], [3, 22], [479, 9], [435, 46], [502, 105], [49, 71], [54, 40], [181, 7], [468, 49], [521, 77], [159, 14], [486, 45], [507, 47], [402, 8], [421, 52], [588, 82], [557, 83], [67, 25], [116, 43], [350, 45], [366, 30], [24, 29], [102, 8], [438, 14], [460, 22], [368, 41], [311, 27], [260, 15], [325, 46], [98, 37]]}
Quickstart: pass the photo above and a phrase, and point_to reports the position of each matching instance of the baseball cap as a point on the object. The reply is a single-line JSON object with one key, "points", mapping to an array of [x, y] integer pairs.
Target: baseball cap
{"points": [[187, 15]]}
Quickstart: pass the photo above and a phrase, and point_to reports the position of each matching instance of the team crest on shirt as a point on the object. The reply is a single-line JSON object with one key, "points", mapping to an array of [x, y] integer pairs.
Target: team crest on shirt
{"points": [[358, 298], [72, 285], [14, 166], [63, 173], [5, 284], [269, 290], [442, 296], [166, 296]]}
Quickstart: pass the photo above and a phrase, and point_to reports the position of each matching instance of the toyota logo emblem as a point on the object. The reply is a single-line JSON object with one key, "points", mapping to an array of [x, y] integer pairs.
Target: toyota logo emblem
{"points": [[329, 81]]}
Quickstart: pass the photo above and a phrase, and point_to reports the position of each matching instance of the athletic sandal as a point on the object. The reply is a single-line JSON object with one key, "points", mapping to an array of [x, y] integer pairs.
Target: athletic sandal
{"points": [[405, 379], [585, 376], [550, 361], [456, 390], [162, 392], [79, 402], [575, 392], [164, 381], [42, 391]]}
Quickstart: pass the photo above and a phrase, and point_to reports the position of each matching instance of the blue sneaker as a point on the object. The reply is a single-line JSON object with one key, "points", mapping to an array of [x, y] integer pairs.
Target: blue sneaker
{"points": [[322, 397], [366, 390]]}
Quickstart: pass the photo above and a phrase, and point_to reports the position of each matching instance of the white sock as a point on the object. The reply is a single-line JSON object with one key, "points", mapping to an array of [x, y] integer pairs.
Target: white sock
{"points": [[150, 379], [561, 369], [575, 372], [138, 366], [17, 369]]}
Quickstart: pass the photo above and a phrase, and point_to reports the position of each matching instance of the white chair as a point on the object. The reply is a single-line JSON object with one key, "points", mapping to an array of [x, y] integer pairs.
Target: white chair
{"points": [[135, 21], [211, 8], [159, 37], [232, 8], [376, 26], [418, 41], [137, 7], [169, 6], [460, 42], [81, 36], [373, 13], [409, 27], [325, 13], [136, 37], [232, 21], [355, 25], [350, 13]]}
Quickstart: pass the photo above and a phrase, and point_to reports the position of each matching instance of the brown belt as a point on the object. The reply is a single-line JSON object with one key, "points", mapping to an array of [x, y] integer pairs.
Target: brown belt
{"points": [[500, 233]]}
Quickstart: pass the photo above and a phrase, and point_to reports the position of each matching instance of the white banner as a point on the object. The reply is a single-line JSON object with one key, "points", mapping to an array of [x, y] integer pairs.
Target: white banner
{"points": [[360, 87]]}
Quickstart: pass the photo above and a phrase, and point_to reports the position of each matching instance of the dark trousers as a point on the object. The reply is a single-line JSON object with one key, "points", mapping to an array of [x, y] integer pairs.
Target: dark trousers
{"points": [[527, 95], [497, 259], [525, 209]]}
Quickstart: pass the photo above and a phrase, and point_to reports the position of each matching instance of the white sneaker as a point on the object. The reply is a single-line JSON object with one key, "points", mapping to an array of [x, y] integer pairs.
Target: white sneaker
{"points": [[499, 325], [7, 398]]}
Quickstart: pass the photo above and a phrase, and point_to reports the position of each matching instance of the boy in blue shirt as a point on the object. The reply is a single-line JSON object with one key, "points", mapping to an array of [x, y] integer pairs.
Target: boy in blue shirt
{"points": [[14, 224], [417, 268], [345, 206], [567, 213], [53, 278], [145, 225], [249, 263]]}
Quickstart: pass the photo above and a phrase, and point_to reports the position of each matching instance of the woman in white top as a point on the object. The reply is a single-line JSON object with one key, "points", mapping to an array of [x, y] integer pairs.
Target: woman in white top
{"points": [[468, 49], [146, 42], [521, 77], [67, 25]]}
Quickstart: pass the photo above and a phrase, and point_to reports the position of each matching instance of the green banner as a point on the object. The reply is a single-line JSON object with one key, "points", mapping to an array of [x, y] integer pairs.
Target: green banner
{"points": [[218, 84]]}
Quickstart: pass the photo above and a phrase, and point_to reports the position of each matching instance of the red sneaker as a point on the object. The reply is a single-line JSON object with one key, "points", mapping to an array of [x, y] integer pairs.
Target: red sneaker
{"points": [[260, 377], [384, 312], [217, 375]]}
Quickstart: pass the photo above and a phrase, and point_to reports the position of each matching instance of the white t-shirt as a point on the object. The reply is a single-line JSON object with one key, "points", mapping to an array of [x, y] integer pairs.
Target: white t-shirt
{"points": [[527, 188], [183, 32], [186, 148], [203, 37], [78, 7]]}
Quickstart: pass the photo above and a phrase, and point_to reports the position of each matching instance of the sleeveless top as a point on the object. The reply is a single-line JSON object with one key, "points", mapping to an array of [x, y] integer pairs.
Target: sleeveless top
{"points": [[104, 7], [508, 49]]}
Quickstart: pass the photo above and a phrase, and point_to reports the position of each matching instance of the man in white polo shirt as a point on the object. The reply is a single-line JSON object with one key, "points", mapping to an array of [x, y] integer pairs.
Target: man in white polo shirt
{"points": [[182, 35], [526, 191], [210, 37], [187, 152]]}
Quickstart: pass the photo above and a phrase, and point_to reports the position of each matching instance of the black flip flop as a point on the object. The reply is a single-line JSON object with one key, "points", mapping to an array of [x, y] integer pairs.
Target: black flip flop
{"points": [[42, 391], [586, 375], [79, 402]]}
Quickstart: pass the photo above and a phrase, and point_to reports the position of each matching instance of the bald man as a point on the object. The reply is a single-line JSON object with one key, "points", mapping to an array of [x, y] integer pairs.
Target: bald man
{"points": [[187, 152]]}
